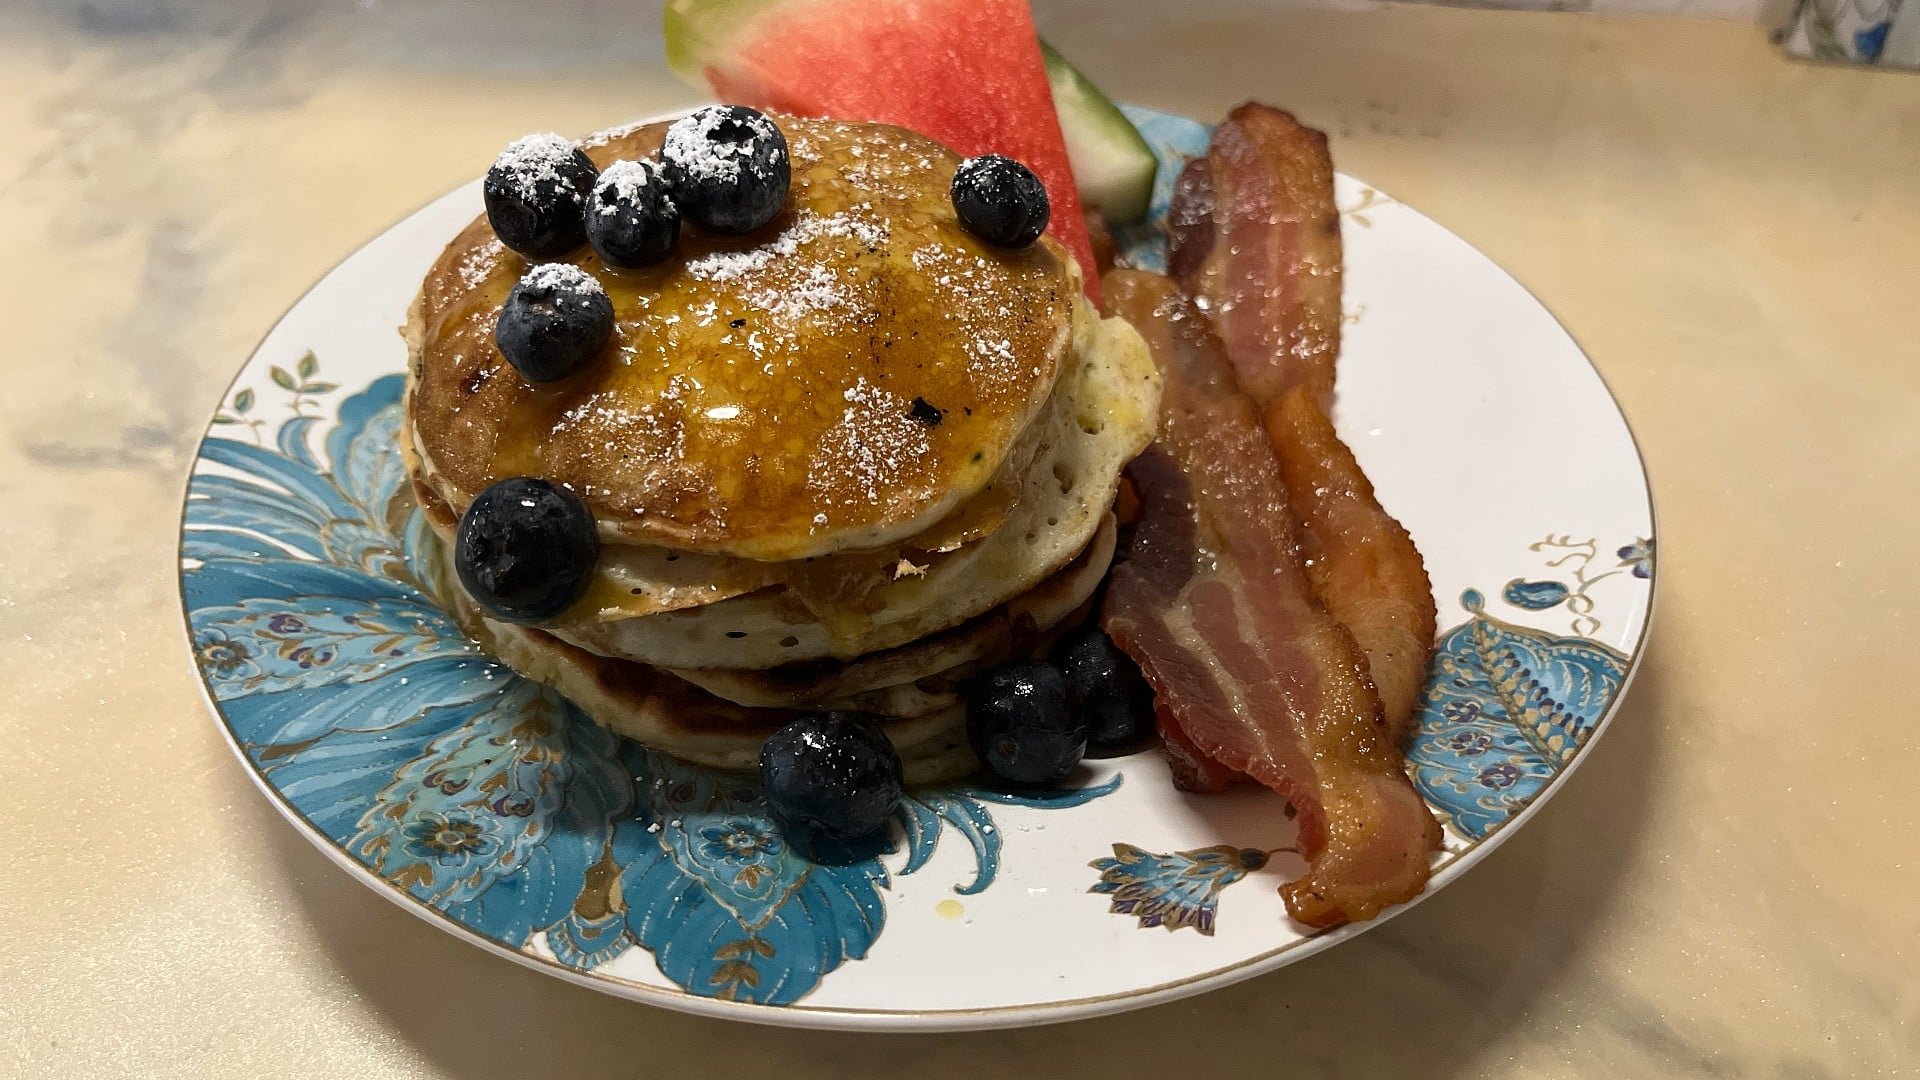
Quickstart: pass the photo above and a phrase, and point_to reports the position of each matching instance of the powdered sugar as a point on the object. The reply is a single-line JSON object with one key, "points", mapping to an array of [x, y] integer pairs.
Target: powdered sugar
{"points": [[622, 184], [877, 447], [806, 227], [816, 290], [531, 160], [771, 279], [477, 264], [563, 278]]}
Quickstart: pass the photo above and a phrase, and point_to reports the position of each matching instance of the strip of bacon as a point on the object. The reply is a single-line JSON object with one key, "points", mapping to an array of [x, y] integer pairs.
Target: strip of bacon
{"points": [[1268, 271], [1215, 604], [1255, 240]]}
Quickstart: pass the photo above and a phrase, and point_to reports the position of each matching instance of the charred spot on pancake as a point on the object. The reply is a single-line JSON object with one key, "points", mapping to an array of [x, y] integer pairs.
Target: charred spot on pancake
{"points": [[926, 413]]}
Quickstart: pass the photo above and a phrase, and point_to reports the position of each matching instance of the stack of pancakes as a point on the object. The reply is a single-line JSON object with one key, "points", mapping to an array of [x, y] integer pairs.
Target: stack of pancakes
{"points": [[845, 462]]}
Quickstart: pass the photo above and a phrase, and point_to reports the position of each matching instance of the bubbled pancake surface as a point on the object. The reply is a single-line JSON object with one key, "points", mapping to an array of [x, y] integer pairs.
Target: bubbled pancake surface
{"points": [[758, 398]]}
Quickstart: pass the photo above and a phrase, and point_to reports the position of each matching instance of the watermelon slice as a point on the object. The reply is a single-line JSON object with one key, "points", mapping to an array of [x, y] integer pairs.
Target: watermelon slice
{"points": [[968, 73]]}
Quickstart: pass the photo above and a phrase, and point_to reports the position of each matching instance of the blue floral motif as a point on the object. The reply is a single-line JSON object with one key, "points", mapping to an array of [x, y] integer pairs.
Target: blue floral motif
{"points": [[1471, 742], [1638, 556], [222, 657], [450, 840], [1172, 891], [312, 587], [1507, 707], [1534, 595]]}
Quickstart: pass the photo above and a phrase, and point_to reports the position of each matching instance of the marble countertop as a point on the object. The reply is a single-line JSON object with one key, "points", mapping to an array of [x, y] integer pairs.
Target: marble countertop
{"points": [[1724, 890]]}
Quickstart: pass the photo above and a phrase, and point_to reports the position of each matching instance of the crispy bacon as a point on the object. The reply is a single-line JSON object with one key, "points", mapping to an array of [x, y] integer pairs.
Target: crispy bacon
{"points": [[1255, 240], [1364, 565], [1215, 603], [1268, 270]]}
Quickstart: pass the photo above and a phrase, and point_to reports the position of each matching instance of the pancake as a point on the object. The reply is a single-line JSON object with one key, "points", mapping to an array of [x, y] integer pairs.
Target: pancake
{"points": [[1106, 416], [670, 716], [631, 581], [988, 638], [773, 396]]}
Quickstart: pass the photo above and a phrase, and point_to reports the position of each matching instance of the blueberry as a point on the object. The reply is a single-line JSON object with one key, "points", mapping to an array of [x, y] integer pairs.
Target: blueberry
{"points": [[1022, 724], [631, 219], [1000, 201], [834, 773], [526, 549], [729, 168], [535, 194], [1108, 686], [554, 321]]}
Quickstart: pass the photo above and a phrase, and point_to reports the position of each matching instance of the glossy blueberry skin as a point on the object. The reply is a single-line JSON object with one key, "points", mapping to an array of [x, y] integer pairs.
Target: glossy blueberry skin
{"points": [[546, 221], [1108, 689], [554, 321], [526, 549], [1000, 201], [831, 774], [632, 219], [1022, 724], [729, 168]]}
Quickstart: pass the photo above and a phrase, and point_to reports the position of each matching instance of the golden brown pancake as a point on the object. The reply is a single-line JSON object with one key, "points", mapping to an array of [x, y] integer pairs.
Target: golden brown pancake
{"points": [[770, 396]]}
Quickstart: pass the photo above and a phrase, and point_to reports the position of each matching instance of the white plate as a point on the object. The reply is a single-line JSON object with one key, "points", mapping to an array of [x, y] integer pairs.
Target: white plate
{"points": [[491, 808]]}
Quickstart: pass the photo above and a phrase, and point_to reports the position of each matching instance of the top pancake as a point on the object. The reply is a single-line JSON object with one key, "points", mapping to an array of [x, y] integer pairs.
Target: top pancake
{"points": [[771, 396]]}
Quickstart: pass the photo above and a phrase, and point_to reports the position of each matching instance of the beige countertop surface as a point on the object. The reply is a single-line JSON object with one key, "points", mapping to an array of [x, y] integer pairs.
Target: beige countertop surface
{"points": [[1726, 889]]}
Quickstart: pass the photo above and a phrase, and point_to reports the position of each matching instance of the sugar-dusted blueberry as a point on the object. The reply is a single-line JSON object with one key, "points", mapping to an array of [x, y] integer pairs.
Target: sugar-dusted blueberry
{"points": [[1108, 689], [835, 774], [632, 220], [526, 549], [554, 320], [1022, 724], [536, 192], [729, 168], [1000, 201]]}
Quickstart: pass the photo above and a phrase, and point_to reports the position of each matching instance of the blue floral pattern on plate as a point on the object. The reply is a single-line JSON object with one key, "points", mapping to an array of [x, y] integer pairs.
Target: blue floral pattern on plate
{"points": [[314, 594], [1506, 709], [1173, 891]]}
